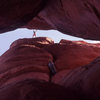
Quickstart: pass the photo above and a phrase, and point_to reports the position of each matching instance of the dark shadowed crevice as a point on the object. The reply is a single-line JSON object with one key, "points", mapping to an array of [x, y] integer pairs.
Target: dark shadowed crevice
{"points": [[96, 12], [94, 9], [19, 19]]}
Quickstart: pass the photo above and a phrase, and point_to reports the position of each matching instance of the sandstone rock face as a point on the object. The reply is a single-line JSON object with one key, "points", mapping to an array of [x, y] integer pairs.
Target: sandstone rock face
{"points": [[25, 60], [16, 13], [80, 18], [70, 55], [38, 42], [25, 75], [35, 90], [84, 80]]}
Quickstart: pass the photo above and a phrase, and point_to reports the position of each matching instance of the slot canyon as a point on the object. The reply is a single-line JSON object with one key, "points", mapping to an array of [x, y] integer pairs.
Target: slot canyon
{"points": [[39, 69]]}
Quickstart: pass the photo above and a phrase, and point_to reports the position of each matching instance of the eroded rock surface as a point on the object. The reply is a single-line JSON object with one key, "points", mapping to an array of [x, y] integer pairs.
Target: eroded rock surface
{"points": [[73, 54], [16, 13], [84, 80], [24, 71], [36, 90], [25, 60], [78, 18]]}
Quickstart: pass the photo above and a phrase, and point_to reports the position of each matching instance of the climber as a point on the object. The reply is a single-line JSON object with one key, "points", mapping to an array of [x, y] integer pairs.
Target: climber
{"points": [[34, 33], [52, 68]]}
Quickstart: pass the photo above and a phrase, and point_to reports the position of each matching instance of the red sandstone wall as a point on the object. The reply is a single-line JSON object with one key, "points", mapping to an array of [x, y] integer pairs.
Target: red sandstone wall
{"points": [[25, 66]]}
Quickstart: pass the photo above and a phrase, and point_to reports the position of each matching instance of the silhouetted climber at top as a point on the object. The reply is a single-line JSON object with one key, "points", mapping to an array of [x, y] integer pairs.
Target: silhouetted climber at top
{"points": [[34, 33], [52, 68]]}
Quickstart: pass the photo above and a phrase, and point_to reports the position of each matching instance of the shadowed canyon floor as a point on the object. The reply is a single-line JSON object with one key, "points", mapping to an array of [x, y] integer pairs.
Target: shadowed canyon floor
{"points": [[25, 75]]}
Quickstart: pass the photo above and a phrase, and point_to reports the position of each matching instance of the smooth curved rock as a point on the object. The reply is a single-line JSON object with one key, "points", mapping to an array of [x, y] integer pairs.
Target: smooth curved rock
{"points": [[28, 59], [36, 90], [77, 18], [83, 80], [73, 54], [16, 13], [25, 60], [38, 42]]}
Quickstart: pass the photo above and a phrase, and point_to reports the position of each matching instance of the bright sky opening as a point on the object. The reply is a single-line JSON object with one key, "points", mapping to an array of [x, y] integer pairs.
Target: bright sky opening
{"points": [[7, 38]]}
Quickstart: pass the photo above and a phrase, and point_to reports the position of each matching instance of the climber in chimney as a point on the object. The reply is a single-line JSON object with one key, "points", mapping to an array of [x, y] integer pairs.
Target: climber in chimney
{"points": [[52, 68], [34, 33]]}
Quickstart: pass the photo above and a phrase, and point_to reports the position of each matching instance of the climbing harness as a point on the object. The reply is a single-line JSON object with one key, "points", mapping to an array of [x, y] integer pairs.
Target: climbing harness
{"points": [[34, 33], [52, 68]]}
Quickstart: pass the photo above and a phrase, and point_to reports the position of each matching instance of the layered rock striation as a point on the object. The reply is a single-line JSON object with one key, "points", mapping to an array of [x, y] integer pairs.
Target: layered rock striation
{"points": [[79, 18], [16, 13], [25, 74]]}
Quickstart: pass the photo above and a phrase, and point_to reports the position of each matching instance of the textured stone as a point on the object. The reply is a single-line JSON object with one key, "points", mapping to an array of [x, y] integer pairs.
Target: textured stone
{"points": [[73, 54], [38, 42], [77, 18], [83, 80], [24, 71], [36, 90], [25, 60], [16, 13]]}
